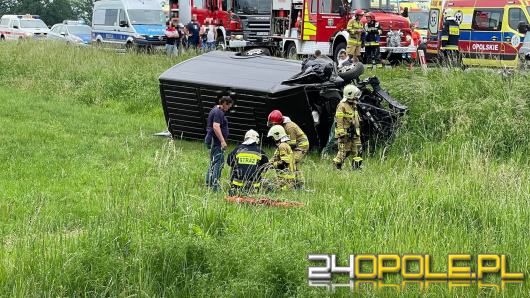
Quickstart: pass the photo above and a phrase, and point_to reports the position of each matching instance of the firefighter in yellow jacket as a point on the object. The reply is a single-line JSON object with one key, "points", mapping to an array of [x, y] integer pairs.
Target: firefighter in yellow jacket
{"points": [[297, 140], [355, 29], [283, 159], [348, 128]]}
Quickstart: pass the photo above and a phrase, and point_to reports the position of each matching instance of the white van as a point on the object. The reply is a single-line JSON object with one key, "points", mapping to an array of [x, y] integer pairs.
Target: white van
{"points": [[128, 23]]}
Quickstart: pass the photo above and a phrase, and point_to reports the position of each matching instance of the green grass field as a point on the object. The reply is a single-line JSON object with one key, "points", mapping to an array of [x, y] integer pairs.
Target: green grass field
{"points": [[91, 204]]}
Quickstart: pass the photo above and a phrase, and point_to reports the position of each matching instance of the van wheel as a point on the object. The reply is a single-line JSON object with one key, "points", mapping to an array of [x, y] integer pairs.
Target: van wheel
{"points": [[2, 38], [338, 48], [129, 46], [290, 52], [98, 43]]}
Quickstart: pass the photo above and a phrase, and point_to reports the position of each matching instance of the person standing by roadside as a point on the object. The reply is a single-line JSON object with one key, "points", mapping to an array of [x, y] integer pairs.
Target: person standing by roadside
{"points": [[193, 29], [171, 39], [211, 36], [181, 42], [216, 136]]}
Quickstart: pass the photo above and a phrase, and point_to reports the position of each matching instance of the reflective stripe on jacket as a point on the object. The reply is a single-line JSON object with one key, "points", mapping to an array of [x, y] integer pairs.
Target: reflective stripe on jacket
{"points": [[298, 139], [355, 37], [247, 164], [283, 160], [345, 117]]}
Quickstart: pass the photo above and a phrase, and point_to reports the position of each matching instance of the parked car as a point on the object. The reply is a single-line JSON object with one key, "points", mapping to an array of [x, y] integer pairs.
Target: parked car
{"points": [[16, 27], [72, 32]]}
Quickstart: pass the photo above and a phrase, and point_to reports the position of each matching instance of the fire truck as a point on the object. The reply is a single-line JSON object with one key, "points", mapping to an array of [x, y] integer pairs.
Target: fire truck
{"points": [[299, 27], [240, 23]]}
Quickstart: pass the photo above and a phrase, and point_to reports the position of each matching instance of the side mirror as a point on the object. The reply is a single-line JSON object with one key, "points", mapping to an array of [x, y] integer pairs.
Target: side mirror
{"points": [[124, 24], [522, 28]]}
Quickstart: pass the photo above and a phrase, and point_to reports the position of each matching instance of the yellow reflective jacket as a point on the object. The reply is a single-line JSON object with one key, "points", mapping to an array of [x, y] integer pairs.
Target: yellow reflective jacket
{"points": [[298, 139], [346, 117], [355, 37], [283, 160]]}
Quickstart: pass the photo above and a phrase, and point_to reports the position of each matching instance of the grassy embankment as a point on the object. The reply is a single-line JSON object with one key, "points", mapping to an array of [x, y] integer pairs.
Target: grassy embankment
{"points": [[92, 204]]}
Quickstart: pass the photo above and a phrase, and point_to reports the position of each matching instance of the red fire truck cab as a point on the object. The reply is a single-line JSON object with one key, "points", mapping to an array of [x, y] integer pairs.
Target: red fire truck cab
{"points": [[302, 26], [244, 20]]}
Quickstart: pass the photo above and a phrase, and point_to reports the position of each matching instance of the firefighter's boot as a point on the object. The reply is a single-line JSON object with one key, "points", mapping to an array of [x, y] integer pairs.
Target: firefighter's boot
{"points": [[357, 163]]}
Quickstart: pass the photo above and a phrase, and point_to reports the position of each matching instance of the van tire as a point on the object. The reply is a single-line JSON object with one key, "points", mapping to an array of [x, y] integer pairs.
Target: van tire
{"points": [[129, 46], [98, 43], [2, 38]]}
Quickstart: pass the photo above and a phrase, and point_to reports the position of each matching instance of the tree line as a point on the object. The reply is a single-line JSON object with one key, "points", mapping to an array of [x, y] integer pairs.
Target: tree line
{"points": [[50, 11]]}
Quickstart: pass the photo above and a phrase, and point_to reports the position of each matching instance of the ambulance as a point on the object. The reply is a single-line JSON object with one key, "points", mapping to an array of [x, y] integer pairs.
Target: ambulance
{"points": [[17, 27], [491, 31]]}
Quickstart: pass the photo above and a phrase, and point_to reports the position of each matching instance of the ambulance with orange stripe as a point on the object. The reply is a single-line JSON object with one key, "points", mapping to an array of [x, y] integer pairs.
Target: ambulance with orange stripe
{"points": [[491, 31], [16, 27]]}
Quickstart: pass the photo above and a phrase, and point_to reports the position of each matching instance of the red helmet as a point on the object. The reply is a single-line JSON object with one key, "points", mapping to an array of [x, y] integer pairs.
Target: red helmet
{"points": [[370, 15], [275, 117], [359, 12]]}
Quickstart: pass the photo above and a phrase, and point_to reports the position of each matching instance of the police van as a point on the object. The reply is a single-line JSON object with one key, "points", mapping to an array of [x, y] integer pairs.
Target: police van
{"points": [[491, 32], [16, 27], [128, 23]]}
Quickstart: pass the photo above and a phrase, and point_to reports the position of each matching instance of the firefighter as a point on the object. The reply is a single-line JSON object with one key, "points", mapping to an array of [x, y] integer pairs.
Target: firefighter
{"points": [[348, 128], [248, 163], [371, 42], [283, 159], [356, 30], [450, 36], [297, 139]]}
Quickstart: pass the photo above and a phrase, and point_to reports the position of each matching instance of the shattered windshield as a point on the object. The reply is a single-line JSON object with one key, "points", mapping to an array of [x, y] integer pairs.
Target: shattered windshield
{"points": [[253, 6]]}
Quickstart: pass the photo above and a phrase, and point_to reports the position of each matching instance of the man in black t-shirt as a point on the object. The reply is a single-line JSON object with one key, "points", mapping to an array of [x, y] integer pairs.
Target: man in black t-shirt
{"points": [[216, 136], [193, 29]]}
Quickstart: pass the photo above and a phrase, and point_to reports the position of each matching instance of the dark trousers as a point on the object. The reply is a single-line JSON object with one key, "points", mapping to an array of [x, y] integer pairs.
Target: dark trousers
{"points": [[372, 54], [215, 168]]}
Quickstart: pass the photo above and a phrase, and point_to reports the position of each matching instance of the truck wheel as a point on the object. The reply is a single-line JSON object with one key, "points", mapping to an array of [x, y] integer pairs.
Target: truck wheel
{"points": [[2, 38], [290, 52], [98, 43], [219, 43], [338, 48]]}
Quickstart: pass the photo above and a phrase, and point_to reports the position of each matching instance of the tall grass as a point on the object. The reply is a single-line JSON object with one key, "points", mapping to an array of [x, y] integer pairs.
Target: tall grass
{"points": [[92, 205]]}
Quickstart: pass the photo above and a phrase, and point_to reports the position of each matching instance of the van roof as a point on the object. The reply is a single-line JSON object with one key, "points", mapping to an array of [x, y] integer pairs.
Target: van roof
{"points": [[129, 4]]}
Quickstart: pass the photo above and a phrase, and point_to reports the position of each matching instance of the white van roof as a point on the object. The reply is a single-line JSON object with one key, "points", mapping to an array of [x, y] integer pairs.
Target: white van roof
{"points": [[129, 4]]}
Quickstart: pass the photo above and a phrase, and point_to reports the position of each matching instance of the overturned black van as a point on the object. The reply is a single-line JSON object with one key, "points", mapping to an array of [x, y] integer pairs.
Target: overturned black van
{"points": [[258, 85]]}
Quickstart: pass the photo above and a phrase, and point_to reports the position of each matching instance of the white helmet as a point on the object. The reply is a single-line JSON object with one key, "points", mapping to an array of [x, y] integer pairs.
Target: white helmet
{"points": [[277, 132], [351, 92], [251, 136]]}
